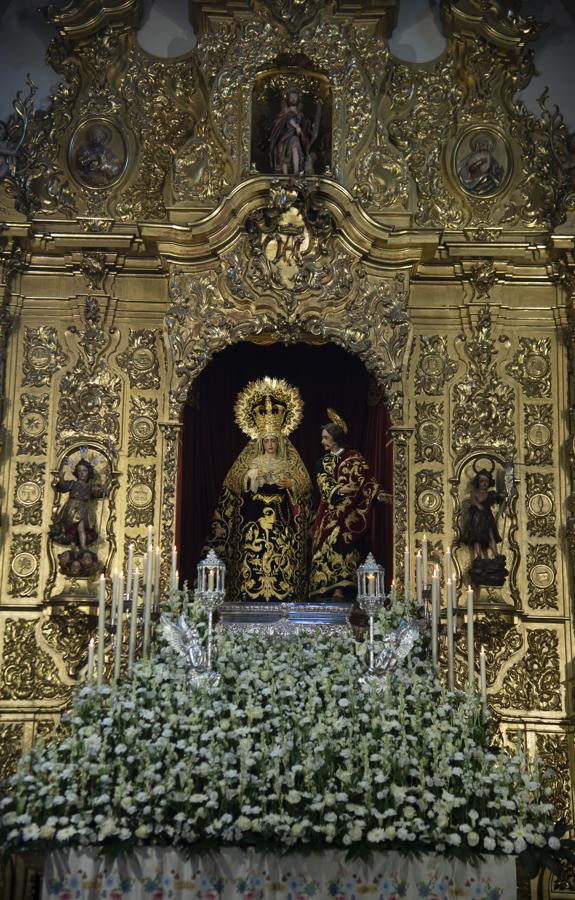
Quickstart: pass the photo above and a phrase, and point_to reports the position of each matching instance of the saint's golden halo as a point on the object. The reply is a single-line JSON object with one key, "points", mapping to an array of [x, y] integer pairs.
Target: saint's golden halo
{"points": [[268, 406], [335, 417]]}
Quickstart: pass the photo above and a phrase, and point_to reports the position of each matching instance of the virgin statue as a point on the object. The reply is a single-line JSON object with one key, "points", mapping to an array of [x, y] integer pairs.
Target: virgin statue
{"points": [[262, 518]]}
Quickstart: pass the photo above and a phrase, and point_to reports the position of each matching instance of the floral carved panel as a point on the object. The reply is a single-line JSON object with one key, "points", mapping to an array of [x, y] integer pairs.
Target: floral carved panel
{"points": [[43, 356], [542, 576], [531, 366], [434, 366], [33, 424], [534, 682], [538, 430]]}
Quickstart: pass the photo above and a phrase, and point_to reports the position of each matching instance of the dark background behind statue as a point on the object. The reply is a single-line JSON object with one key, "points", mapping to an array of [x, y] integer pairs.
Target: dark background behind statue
{"points": [[325, 376]]}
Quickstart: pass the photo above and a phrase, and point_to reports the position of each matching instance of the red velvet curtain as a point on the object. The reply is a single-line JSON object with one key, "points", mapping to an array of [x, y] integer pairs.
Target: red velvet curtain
{"points": [[326, 376]]}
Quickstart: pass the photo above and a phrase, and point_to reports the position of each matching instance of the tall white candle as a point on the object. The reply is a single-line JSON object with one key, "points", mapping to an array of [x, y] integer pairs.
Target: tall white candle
{"points": [[119, 627], [149, 576], [418, 583], [448, 565], [101, 624], [406, 572], [435, 617], [424, 559], [157, 580], [129, 571], [147, 622], [470, 649], [173, 579], [90, 669], [145, 569], [133, 620], [483, 679], [450, 656], [114, 597], [150, 544], [454, 604]]}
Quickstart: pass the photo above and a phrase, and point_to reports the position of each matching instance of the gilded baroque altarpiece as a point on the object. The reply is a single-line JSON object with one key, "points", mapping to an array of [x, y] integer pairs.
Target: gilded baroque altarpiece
{"points": [[143, 230]]}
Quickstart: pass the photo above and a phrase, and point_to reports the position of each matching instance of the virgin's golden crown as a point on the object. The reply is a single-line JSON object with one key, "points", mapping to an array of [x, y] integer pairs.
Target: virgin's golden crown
{"points": [[269, 406]]}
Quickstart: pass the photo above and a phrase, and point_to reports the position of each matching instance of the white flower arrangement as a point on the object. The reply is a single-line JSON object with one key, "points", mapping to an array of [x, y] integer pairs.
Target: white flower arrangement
{"points": [[286, 750]]}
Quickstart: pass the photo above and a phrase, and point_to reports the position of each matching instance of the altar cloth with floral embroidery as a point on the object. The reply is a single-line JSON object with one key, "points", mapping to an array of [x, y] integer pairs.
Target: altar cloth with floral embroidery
{"points": [[244, 874]]}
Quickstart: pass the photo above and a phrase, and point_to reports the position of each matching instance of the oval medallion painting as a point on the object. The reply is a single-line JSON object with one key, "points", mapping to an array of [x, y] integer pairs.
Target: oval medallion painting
{"points": [[482, 162], [97, 153]]}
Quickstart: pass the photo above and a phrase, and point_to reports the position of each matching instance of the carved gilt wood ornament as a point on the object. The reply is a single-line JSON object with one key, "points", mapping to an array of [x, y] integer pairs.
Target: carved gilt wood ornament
{"points": [[429, 232]]}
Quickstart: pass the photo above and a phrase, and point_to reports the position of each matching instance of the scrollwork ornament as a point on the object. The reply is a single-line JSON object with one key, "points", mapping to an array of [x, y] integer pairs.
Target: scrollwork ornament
{"points": [[429, 419], [540, 502], [24, 572], [289, 251], [93, 335], [142, 426], [140, 360], [89, 404], [553, 750], [140, 495], [534, 682], [29, 493], [382, 178], [435, 368], [542, 576], [400, 438], [67, 632], [531, 366], [501, 640], [371, 322], [483, 405], [483, 278], [11, 747], [43, 356], [199, 170], [429, 501], [538, 430], [94, 269], [28, 672], [33, 424], [170, 439]]}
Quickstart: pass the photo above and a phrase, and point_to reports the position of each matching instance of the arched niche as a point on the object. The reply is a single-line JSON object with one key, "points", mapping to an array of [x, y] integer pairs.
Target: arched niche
{"points": [[370, 321], [325, 375]]}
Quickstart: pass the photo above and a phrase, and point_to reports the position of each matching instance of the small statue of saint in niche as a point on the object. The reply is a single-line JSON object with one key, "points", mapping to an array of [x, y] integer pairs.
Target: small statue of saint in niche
{"points": [[96, 163], [480, 532], [289, 138], [73, 525]]}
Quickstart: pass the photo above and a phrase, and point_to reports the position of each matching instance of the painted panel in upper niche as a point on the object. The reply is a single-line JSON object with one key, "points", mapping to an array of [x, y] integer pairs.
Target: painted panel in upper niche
{"points": [[482, 162], [97, 153], [291, 123]]}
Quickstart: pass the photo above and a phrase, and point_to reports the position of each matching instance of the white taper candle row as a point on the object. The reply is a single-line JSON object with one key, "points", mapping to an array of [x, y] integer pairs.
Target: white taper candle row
{"points": [[125, 598]]}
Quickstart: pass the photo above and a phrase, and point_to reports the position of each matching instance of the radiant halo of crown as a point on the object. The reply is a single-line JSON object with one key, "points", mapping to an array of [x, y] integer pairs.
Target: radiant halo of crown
{"points": [[268, 406]]}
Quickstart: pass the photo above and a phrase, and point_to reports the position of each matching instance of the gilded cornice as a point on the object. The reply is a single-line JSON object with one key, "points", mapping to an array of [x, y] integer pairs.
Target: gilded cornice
{"points": [[80, 20], [359, 232], [494, 21]]}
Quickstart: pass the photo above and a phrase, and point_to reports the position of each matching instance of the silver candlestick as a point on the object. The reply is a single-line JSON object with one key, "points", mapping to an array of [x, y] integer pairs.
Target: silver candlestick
{"points": [[211, 591], [370, 597]]}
